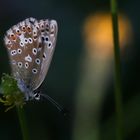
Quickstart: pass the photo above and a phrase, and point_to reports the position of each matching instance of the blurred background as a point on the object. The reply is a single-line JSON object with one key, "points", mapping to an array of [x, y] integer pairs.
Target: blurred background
{"points": [[80, 77]]}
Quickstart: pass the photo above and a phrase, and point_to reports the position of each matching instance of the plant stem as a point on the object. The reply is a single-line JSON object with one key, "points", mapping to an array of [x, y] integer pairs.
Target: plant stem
{"points": [[118, 93], [23, 124]]}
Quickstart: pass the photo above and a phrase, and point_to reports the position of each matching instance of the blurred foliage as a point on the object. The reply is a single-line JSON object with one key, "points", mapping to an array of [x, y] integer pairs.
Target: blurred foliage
{"points": [[12, 96]]}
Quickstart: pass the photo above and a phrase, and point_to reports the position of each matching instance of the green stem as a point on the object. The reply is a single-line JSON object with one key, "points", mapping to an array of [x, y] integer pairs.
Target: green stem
{"points": [[118, 93], [23, 124]]}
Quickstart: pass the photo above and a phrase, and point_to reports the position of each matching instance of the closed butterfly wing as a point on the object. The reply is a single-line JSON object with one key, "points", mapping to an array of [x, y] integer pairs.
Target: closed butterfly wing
{"points": [[48, 35], [30, 45]]}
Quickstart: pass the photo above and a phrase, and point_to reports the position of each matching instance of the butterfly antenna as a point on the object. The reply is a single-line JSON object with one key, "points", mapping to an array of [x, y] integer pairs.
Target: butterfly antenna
{"points": [[58, 106]]}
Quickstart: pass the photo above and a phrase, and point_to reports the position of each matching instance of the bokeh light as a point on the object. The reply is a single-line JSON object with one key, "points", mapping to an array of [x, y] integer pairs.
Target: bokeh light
{"points": [[98, 33]]}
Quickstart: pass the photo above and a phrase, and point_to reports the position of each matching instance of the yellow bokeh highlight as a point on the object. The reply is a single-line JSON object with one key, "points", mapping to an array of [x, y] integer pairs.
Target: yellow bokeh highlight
{"points": [[98, 33]]}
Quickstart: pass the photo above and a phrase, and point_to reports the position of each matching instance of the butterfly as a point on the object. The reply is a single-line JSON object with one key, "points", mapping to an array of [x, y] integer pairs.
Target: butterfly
{"points": [[30, 45]]}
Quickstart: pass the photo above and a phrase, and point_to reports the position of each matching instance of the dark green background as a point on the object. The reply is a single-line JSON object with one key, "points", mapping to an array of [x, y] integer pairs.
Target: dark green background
{"points": [[44, 121]]}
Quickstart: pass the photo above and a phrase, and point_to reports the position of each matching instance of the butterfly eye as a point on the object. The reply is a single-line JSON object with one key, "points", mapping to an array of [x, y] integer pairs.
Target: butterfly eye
{"points": [[37, 96]]}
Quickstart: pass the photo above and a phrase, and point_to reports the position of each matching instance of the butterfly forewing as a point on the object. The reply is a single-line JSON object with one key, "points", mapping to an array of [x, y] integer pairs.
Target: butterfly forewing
{"points": [[30, 45]]}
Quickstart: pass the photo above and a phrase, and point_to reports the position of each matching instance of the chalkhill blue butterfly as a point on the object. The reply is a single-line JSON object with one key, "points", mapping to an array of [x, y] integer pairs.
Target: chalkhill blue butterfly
{"points": [[31, 44]]}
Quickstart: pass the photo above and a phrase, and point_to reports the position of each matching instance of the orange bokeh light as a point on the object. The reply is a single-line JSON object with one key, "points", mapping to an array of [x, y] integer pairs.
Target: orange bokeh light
{"points": [[98, 33]]}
